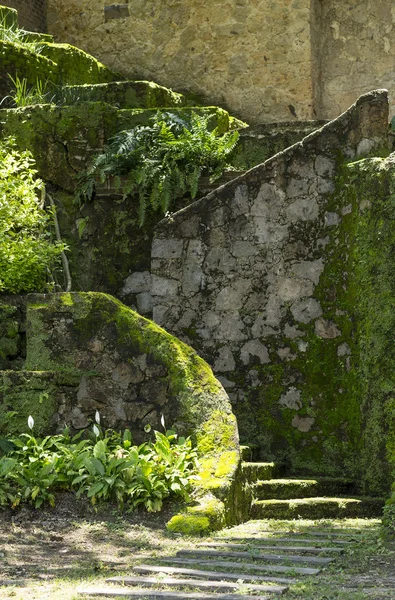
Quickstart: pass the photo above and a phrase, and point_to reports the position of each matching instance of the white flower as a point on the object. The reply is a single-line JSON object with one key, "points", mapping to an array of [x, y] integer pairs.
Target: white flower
{"points": [[30, 422], [162, 420], [97, 417], [96, 430]]}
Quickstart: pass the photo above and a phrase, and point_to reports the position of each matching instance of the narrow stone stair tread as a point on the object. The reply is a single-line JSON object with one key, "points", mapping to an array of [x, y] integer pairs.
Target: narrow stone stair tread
{"points": [[312, 549], [112, 592], [211, 574], [317, 508], [276, 557], [210, 586], [238, 565], [291, 488], [272, 540]]}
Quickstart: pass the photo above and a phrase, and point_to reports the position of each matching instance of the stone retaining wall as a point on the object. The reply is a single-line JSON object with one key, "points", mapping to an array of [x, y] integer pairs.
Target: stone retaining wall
{"points": [[251, 276]]}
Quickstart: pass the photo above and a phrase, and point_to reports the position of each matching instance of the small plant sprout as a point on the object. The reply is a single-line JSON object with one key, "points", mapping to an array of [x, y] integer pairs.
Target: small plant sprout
{"points": [[97, 417], [96, 430], [30, 422], [147, 428]]}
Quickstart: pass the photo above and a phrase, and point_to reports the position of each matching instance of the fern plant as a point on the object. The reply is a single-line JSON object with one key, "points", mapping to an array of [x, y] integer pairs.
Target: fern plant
{"points": [[162, 161]]}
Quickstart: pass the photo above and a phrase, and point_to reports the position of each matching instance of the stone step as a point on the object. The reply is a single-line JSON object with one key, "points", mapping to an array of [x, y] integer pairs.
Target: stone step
{"points": [[315, 541], [255, 556], [111, 592], [262, 568], [208, 586], [220, 575], [124, 94], [259, 471], [317, 508], [303, 488], [300, 549]]}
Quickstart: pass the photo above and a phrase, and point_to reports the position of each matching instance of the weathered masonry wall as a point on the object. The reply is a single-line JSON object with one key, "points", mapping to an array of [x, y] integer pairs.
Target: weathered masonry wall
{"points": [[265, 60], [358, 41], [253, 276], [253, 56], [32, 14]]}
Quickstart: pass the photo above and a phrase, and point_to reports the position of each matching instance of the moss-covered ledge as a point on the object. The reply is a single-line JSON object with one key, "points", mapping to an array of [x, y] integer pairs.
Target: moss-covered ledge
{"points": [[133, 371]]}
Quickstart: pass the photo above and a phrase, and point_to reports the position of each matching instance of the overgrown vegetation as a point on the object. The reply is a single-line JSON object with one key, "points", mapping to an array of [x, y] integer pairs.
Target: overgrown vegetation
{"points": [[162, 161], [23, 95], [27, 252], [104, 467], [11, 33]]}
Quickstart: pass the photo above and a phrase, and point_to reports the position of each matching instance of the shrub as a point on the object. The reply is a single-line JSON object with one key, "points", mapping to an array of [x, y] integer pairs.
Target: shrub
{"points": [[27, 252], [162, 161], [104, 468]]}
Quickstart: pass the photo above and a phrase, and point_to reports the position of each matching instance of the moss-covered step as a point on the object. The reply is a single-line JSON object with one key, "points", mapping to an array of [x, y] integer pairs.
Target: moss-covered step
{"points": [[124, 94], [62, 139], [254, 471], [317, 508], [74, 66], [57, 64], [23, 62], [303, 488]]}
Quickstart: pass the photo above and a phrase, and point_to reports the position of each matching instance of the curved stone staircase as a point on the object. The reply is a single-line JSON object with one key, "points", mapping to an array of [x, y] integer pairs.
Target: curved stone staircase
{"points": [[277, 495]]}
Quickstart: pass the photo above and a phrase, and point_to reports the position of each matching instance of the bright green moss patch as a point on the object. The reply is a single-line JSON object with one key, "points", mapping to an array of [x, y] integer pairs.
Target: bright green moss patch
{"points": [[124, 94], [74, 66], [208, 516], [189, 525], [25, 393]]}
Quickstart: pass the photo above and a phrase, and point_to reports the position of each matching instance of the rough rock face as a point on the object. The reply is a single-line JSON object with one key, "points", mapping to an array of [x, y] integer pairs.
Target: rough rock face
{"points": [[250, 276], [88, 352], [127, 367]]}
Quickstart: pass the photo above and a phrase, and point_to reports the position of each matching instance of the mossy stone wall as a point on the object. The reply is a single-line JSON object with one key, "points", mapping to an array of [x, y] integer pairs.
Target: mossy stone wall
{"points": [[255, 275]]}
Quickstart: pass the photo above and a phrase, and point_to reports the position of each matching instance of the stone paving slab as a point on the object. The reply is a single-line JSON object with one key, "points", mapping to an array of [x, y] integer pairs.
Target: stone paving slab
{"points": [[302, 549], [274, 557], [272, 540], [112, 592], [211, 574], [209, 586], [240, 565]]}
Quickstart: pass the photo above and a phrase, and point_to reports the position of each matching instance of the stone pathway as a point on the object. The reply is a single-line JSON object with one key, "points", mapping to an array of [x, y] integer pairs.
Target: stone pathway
{"points": [[264, 564], [231, 567]]}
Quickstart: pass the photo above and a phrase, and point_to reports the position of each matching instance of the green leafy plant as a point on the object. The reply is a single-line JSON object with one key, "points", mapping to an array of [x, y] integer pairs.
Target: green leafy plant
{"points": [[27, 252], [27, 96], [105, 467], [11, 33], [162, 161]]}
